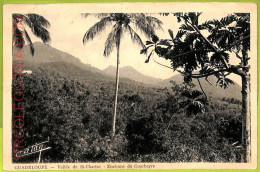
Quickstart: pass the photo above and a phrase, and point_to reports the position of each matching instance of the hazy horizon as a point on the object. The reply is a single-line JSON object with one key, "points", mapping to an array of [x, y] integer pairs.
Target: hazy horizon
{"points": [[67, 31]]}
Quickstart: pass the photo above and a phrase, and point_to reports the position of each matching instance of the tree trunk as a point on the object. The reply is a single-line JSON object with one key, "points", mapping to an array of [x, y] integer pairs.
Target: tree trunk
{"points": [[246, 120], [116, 90]]}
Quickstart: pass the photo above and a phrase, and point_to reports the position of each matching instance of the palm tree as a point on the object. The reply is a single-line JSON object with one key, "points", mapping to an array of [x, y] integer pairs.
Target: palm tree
{"points": [[38, 25], [193, 102], [122, 23]]}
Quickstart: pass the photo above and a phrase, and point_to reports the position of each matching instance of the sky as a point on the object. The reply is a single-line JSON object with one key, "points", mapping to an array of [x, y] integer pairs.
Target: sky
{"points": [[68, 27]]}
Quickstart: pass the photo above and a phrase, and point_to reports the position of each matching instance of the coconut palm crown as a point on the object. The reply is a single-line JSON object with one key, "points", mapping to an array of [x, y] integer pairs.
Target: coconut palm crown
{"points": [[38, 26]]}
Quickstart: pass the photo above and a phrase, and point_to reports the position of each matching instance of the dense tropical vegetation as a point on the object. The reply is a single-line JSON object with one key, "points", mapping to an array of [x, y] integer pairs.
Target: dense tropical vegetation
{"points": [[72, 105], [76, 113], [196, 55]]}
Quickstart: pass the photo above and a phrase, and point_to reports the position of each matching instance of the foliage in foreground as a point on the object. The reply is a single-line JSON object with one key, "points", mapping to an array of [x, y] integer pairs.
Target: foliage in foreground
{"points": [[76, 115]]}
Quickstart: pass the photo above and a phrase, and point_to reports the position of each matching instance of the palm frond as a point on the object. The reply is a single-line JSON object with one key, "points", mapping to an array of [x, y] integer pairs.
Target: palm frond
{"points": [[17, 18], [149, 43], [154, 22], [195, 94], [193, 16], [37, 27], [155, 39], [186, 93], [171, 33], [164, 14], [186, 27], [30, 42], [139, 20], [212, 24], [42, 33], [148, 58], [229, 81], [180, 33], [18, 41], [134, 36], [98, 15], [144, 51], [137, 16], [112, 39], [97, 28], [36, 20], [227, 20]]}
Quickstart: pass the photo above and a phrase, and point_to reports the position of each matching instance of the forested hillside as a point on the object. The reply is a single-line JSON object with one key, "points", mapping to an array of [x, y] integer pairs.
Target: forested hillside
{"points": [[47, 54], [72, 106]]}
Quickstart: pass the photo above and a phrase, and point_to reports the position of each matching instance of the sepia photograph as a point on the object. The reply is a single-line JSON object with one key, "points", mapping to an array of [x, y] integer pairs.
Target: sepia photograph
{"points": [[113, 86]]}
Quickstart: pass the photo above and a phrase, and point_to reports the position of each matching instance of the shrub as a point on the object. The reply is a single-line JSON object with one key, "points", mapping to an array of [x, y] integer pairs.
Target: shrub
{"points": [[142, 136]]}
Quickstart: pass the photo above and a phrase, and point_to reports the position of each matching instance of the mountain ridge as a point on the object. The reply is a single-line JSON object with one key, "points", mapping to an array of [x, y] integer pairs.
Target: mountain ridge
{"points": [[47, 54], [131, 73]]}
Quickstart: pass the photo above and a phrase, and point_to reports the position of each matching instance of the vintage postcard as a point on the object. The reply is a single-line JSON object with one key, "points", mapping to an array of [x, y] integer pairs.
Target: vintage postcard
{"points": [[130, 86]]}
